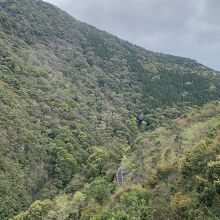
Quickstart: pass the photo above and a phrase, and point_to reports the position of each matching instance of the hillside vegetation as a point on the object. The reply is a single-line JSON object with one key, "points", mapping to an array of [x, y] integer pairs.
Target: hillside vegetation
{"points": [[77, 103], [171, 173]]}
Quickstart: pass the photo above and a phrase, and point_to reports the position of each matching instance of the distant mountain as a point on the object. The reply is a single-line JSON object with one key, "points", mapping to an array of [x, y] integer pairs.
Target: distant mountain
{"points": [[73, 102]]}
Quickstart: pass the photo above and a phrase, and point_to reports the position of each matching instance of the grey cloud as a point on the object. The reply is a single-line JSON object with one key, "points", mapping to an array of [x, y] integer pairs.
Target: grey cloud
{"points": [[185, 28]]}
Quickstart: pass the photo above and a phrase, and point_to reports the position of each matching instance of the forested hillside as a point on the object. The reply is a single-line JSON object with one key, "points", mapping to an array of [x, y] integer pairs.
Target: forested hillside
{"points": [[77, 103], [171, 172]]}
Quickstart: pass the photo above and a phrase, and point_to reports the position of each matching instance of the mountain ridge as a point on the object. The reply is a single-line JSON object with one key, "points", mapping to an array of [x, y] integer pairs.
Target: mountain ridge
{"points": [[76, 103]]}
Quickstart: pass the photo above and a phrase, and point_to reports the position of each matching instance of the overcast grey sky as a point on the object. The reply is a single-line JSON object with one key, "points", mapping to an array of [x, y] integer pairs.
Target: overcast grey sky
{"points": [[189, 28]]}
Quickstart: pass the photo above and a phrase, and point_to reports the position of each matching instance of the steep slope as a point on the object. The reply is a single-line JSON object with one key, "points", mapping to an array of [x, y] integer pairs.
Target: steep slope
{"points": [[74, 100], [171, 173]]}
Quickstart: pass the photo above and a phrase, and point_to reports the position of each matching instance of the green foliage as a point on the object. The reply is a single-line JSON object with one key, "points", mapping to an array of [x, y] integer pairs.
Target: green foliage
{"points": [[63, 168], [77, 103], [36, 211], [62, 207], [100, 190], [180, 204], [132, 204], [196, 159]]}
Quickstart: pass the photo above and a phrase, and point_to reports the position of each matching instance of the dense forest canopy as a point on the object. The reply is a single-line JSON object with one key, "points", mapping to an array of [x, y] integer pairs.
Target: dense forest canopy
{"points": [[77, 104]]}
